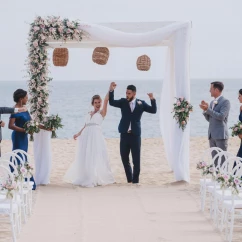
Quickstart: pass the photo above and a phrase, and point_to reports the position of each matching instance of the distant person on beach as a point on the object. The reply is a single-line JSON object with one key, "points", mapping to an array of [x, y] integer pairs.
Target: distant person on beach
{"points": [[130, 127], [217, 115], [5, 110]]}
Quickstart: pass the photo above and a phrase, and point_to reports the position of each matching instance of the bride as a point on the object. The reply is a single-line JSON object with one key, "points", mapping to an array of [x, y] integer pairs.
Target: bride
{"points": [[91, 166]]}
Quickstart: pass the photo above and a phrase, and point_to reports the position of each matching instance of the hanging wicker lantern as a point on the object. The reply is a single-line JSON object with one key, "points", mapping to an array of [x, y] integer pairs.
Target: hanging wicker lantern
{"points": [[143, 63], [60, 56], [100, 55]]}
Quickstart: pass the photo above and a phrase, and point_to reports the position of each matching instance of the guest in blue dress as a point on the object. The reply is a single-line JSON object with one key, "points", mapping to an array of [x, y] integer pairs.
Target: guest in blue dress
{"points": [[16, 123], [240, 119]]}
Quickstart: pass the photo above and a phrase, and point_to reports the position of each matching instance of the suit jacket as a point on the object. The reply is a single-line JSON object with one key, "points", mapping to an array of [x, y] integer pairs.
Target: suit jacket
{"points": [[131, 117], [5, 110], [218, 119]]}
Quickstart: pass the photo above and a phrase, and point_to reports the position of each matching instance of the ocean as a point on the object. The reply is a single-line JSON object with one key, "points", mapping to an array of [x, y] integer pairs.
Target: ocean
{"points": [[71, 100]]}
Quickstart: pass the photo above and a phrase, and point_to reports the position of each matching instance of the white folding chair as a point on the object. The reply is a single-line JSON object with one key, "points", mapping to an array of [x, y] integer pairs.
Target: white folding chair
{"points": [[9, 206], [232, 203], [23, 192], [208, 157], [213, 187], [29, 184]]}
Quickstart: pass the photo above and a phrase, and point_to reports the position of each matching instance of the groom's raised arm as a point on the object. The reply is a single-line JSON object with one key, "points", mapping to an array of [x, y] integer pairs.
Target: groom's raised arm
{"points": [[112, 102], [153, 107]]}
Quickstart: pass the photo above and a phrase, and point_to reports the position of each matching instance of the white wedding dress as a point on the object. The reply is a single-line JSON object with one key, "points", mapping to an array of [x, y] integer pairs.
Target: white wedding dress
{"points": [[91, 166]]}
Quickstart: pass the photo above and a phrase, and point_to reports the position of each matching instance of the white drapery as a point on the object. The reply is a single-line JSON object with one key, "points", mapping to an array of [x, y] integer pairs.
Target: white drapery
{"points": [[176, 36], [42, 157]]}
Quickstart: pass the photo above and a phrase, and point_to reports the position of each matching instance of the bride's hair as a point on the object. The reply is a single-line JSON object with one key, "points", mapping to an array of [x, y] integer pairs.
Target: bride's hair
{"points": [[96, 97], [240, 91]]}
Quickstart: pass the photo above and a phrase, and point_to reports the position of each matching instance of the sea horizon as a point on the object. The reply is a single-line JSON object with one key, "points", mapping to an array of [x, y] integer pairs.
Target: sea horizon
{"points": [[71, 101]]}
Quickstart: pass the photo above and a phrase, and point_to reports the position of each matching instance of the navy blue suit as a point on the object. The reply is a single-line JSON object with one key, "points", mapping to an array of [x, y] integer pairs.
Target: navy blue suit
{"points": [[131, 141]]}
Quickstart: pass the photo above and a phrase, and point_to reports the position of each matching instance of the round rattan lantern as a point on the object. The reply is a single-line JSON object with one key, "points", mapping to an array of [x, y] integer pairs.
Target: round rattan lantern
{"points": [[100, 55], [60, 56], [143, 63]]}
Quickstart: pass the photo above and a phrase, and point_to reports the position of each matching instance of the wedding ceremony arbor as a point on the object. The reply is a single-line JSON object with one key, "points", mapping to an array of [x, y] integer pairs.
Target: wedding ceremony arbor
{"points": [[54, 32]]}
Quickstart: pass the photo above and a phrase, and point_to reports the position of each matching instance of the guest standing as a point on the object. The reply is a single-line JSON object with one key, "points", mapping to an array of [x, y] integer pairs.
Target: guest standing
{"points": [[16, 123], [240, 119], [217, 115]]}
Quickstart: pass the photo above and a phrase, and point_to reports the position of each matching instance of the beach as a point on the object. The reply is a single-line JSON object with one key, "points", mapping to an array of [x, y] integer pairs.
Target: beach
{"points": [[63, 212]]}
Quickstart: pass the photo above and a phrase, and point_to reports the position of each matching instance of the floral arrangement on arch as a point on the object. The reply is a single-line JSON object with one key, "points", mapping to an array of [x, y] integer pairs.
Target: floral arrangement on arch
{"points": [[42, 30], [53, 123], [181, 110]]}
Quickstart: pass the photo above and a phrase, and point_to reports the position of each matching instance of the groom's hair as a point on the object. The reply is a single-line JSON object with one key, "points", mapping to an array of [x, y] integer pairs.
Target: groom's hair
{"points": [[131, 87], [218, 85], [240, 91]]}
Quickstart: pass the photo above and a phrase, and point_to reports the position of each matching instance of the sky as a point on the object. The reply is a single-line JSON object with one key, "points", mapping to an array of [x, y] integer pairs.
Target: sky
{"points": [[216, 47]]}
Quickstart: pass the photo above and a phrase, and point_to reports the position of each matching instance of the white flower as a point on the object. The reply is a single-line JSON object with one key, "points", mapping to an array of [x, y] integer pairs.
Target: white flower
{"points": [[139, 102], [215, 102]]}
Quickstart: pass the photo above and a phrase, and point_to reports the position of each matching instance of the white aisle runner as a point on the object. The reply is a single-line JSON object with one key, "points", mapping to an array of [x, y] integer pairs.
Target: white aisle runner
{"points": [[117, 214]]}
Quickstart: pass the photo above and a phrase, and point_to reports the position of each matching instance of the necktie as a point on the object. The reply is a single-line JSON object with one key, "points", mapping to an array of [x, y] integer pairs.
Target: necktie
{"points": [[132, 106]]}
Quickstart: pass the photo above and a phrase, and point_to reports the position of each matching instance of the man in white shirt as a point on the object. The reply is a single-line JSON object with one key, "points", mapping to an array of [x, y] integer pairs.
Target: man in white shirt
{"points": [[130, 127]]}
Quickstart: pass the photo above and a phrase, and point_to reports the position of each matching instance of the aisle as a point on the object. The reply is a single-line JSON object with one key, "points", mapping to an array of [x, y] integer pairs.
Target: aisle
{"points": [[117, 214], [56, 216]]}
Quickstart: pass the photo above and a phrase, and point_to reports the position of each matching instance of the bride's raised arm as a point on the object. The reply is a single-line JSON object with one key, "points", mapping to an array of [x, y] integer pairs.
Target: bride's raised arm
{"points": [[105, 105]]}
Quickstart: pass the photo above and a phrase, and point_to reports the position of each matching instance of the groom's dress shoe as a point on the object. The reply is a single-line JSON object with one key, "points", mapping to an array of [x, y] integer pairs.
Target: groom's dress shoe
{"points": [[136, 184]]}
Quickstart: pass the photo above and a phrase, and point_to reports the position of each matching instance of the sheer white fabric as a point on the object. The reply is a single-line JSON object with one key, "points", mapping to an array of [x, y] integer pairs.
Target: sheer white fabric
{"points": [[91, 166], [176, 82], [42, 157], [112, 37]]}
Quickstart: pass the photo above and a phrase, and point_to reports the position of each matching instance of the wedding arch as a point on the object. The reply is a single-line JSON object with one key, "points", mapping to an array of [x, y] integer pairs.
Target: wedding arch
{"points": [[54, 32]]}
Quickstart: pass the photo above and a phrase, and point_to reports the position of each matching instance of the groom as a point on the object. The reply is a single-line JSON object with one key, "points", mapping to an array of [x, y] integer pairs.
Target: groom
{"points": [[217, 115], [130, 127]]}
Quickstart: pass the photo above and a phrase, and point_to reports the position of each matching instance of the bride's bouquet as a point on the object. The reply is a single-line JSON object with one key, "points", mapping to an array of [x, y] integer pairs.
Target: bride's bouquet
{"points": [[31, 127], [182, 109], [236, 129], [52, 123]]}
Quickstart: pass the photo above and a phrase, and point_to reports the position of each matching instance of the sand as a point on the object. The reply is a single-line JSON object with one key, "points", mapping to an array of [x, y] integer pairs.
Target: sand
{"points": [[160, 209]]}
